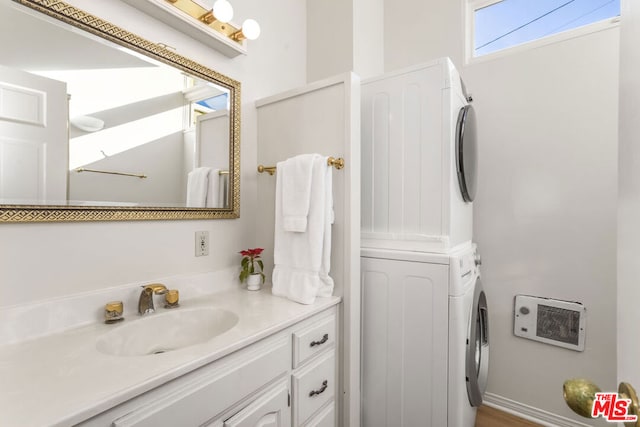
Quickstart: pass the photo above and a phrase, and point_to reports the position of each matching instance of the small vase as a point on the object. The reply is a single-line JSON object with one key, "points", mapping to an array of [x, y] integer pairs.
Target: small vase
{"points": [[254, 282]]}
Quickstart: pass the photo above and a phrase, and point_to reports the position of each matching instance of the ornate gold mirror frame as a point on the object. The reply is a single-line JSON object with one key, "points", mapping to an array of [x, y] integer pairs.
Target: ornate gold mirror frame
{"points": [[94, 25]]}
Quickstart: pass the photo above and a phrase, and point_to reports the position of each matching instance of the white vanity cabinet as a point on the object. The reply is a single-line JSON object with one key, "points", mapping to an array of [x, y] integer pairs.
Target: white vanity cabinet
{"points": [[286, 379]]}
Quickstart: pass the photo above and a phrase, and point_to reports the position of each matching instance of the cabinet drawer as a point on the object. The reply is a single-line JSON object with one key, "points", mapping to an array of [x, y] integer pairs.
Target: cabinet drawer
{"points": [[215, 390], [325, 418], [313, 339], [313, 386]]}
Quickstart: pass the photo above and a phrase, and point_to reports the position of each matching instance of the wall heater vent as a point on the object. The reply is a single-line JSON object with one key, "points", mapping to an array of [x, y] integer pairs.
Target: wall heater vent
{"points": [[550, 321]]}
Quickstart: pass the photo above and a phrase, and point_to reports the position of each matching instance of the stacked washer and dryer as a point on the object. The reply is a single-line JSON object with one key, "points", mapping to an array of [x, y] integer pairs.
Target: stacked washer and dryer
{"points": [[424, 314]]}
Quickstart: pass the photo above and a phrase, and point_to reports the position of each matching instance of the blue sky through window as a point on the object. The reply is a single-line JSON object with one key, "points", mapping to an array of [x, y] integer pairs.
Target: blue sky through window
{"points": [[219, 102], [512, 22]]}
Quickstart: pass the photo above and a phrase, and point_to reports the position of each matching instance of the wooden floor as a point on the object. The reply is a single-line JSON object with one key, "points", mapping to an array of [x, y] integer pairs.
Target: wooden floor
{"points": [[490, 417]]}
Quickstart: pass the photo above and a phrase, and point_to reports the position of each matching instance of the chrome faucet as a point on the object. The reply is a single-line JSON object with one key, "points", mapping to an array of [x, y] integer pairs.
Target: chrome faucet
{"points": [[145, 303]]}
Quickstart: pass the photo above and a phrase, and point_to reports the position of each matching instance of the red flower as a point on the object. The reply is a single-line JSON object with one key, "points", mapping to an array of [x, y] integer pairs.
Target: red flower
{"points": [[249, 256], [252, 253]]}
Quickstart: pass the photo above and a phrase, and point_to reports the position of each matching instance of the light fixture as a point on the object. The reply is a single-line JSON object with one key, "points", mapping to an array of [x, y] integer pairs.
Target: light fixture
{"points": [[87, 123], [250, 30], [222, 12], [218, 18]]}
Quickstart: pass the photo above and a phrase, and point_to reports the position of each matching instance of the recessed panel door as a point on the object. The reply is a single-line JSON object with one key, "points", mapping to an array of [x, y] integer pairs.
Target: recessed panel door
{"points": [[34, 160]]}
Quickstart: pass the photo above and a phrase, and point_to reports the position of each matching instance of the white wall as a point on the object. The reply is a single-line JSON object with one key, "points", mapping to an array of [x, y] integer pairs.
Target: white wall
{"points": [[629, 196], [160, 160], [329, 38], [415, 31], [41, 261], [344, 36], [325, 118], [368, 38], [545, 214]]}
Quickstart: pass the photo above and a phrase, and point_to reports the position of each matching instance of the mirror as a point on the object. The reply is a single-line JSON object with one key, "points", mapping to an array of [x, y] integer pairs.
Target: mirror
{"points": [[98, 124]]}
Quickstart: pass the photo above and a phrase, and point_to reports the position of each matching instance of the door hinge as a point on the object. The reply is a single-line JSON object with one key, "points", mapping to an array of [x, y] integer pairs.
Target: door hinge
{"points": [[288, 399]]}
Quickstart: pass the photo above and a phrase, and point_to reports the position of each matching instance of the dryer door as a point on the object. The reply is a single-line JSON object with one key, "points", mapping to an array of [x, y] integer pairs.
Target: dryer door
{"points": [[466, 153], [477, 357]]}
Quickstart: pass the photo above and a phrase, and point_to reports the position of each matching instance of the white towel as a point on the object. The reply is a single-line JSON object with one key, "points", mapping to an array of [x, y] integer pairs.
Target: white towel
{"points": [[213, 190], [197, 187], [295, 174], [326, 282], [223, 191], [303, 259]]}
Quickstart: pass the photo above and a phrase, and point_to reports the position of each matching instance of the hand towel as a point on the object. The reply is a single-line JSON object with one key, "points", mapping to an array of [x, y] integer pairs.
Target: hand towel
{"points": [[197, 186], [326, 282], [295, 174], [213, 190], [302, 259], [223, 191]]}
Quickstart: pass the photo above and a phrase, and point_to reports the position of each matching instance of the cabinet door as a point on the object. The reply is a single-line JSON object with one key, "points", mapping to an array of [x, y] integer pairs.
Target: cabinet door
{"points": [[269, 410], [404, 343], [325, 418]]}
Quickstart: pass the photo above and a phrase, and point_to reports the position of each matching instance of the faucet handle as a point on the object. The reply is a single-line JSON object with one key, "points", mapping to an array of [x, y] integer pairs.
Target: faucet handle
{"points": [[172, 298], [113, 312], [156, 288]]}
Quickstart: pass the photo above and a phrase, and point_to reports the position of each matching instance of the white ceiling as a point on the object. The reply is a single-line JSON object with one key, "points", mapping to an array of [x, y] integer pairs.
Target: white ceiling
{"points": [[35, 43]]}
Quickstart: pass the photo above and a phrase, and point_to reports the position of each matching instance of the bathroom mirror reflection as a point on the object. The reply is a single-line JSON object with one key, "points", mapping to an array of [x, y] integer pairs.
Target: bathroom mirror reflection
{"points": [[97, 123]]}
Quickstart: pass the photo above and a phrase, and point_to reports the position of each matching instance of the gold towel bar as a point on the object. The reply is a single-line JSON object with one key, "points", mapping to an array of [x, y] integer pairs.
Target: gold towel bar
{"points": [[223, 172], [337, 163], [111, 173]]}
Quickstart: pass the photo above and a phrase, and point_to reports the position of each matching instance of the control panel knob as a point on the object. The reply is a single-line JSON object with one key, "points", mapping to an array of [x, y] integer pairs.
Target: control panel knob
{"points": [[478, 259]]}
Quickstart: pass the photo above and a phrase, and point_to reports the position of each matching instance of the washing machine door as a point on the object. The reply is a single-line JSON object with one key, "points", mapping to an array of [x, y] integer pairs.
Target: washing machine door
{"points": [[466, 153], [477, 356]]}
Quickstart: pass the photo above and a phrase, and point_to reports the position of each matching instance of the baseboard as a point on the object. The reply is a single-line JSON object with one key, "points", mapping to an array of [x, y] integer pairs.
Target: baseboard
{"points": [[529, 413]]}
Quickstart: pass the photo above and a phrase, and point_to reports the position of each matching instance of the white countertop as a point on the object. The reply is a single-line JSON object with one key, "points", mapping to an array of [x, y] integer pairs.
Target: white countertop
{"points": [[62, 379]]}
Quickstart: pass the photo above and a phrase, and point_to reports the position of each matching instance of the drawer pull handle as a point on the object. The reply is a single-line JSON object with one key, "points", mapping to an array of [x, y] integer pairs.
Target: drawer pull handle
{"points": [[324, 339], [325, 384]]}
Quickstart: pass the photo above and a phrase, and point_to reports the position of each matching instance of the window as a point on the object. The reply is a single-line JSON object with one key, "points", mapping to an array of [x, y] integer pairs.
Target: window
{"points": [[502, 24]]}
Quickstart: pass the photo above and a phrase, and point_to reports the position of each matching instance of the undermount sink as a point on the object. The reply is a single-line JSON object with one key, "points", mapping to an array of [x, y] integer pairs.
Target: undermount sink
{"points": [[162, 332]]}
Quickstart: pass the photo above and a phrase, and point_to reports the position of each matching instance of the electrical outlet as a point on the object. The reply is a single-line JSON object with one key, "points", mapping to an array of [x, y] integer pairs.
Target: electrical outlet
{"points": [[202, 243]]}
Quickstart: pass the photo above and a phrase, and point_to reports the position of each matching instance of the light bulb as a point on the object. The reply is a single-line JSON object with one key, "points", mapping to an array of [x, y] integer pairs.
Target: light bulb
{"points": [[251, 29], [223, 11]]}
